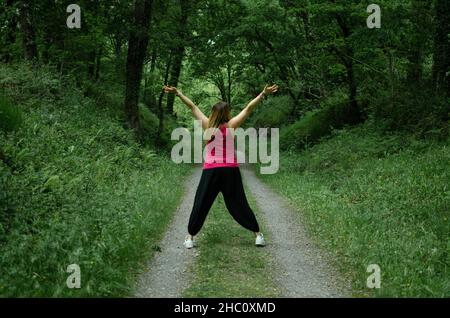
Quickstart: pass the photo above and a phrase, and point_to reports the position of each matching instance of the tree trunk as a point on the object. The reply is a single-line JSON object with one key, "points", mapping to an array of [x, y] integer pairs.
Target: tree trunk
{"points": [[48, 42], [390, 58], [346, 57], [137, 47], [28, 32], [229, 75], [91, 64], [178, 52], [217, 79], [415, 59], [441, 66], [117, 44], [175, 76], [153, 60], [419, 35], [11, 27], [355, 116], [98, 63], [161, 108]]}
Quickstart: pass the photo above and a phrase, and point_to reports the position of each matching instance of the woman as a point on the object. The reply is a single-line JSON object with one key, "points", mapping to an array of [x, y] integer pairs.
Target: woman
{"points": [[220, 174]]}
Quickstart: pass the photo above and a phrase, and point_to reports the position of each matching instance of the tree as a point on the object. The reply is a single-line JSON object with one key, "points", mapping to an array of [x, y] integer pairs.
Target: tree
{"points": [[137, 48], [117, 33], [441, 67], [418, 39], [346, 55], [217, 50], [28, 31], [179, 50], [11, 27]]}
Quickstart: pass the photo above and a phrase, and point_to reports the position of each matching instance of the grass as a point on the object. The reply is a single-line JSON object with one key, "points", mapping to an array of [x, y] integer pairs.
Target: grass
{"points": [[76, 189], [376, 199], [229, 264]]}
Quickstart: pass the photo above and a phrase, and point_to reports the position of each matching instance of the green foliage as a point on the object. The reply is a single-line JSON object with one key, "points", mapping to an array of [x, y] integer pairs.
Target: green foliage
{"points": [[52, 184], [420, 111], [273, 113], [23, 83], [72, 148], [371, 198], [75, 188], [170, 123], [149, 123], [104, 95], [314, 125], [10, 115], [5, 173]]}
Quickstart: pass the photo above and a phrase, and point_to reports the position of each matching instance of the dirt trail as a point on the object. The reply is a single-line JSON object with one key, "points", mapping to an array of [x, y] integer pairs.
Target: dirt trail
{"points": [[301, 270], [167, 274]]}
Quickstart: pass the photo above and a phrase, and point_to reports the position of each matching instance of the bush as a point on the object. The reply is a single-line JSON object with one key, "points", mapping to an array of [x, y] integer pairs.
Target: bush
{"points": [[10, 115], [25, 83], [273, 113], [372, 198], [149, 123], [419, 110], [76, 188], [316, 124], [170, 123], [103, 96]]}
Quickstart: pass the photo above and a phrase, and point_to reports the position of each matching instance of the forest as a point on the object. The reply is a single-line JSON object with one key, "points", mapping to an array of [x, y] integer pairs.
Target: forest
{"points": [[85, 133]]}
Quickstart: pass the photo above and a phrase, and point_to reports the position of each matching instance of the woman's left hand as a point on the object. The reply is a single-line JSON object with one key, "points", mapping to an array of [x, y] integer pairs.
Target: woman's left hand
{"points": [[270, 89]]}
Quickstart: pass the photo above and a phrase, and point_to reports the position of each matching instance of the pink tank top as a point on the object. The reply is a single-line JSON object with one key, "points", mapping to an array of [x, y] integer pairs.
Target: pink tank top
{"points": [[220, 150]]}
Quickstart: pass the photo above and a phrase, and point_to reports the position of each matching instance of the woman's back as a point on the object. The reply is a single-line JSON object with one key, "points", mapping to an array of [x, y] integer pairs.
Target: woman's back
{"points": [[220, 150]]}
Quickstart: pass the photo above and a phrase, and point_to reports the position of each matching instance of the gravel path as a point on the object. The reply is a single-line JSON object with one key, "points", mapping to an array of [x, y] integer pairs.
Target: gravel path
{"points": [[167, 276], [301, 270]]}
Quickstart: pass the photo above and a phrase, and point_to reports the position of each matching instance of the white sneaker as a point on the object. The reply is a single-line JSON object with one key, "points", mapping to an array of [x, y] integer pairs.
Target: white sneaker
{"points": [[260, 240], [188, 242]]}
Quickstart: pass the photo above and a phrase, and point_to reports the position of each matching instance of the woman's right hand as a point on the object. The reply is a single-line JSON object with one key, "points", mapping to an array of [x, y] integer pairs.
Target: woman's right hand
{"points": [[170, 89]]}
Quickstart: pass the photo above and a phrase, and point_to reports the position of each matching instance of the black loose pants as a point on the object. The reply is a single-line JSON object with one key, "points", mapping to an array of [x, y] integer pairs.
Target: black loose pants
{"points": [[228, 181]]}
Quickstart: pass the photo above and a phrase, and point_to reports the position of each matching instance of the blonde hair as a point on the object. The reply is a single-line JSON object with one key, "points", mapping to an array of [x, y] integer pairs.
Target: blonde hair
{"points": [[220, 114]]}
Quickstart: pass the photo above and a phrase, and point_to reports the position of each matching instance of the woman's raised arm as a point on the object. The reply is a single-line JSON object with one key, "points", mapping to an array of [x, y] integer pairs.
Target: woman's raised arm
{"points": [[195, 110], [238, 120]]}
